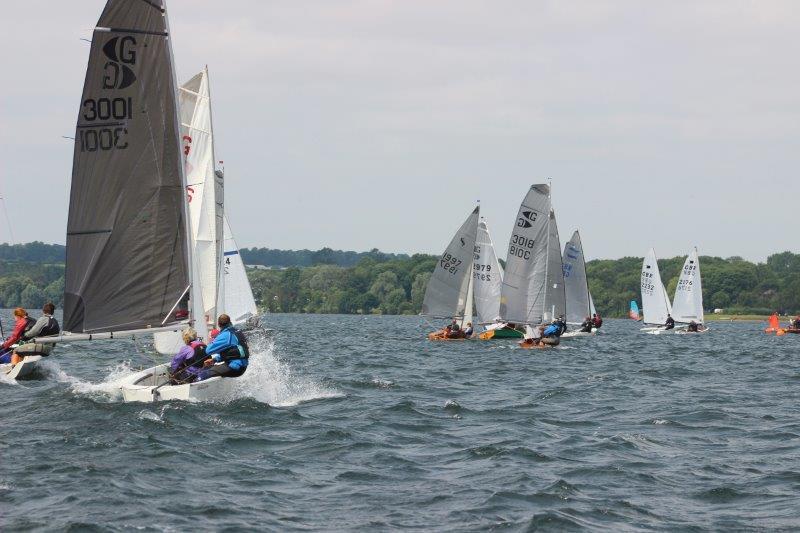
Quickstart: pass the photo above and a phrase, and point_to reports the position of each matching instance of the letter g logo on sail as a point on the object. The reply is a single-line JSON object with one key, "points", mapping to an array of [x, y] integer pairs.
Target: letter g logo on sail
{"points": [[117, 73]]}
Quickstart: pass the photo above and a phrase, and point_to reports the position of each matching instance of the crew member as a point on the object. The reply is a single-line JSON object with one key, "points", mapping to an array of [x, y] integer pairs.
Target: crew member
{"points": [[228, 353], [468, 330], [692, 327], [21, 322], [45, 326], [670, 323], [188, 362], [597, 322], [586, 326]]}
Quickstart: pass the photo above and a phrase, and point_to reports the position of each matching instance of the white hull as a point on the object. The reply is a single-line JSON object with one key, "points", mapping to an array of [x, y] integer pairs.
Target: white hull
{"points": [[150, 386], [571, 334], [22, 369]]}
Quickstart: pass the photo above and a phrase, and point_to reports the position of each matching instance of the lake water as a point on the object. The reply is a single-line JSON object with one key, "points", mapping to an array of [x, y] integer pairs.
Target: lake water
{"points": [[358, 423]]}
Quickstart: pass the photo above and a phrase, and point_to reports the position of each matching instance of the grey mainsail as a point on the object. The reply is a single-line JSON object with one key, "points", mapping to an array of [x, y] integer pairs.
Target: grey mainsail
{"points": [[127, 252], [575, 283], [555, 299], [522, 296], [446, 293]]}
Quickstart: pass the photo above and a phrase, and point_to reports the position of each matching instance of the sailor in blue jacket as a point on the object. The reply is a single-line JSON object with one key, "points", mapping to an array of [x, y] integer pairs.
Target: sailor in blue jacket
{"points": [[228, 353]]}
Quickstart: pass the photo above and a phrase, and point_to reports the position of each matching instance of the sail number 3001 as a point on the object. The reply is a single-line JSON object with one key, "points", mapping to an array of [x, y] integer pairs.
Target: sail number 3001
{"points": [[105, 137]]}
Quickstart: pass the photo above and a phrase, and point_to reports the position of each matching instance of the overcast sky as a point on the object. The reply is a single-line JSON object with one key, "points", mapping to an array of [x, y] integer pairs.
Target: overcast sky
{"points": [[364, 123]]}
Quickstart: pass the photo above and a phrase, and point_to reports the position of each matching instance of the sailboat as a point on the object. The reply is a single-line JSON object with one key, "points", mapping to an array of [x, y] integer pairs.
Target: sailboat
{"points": [[487, 277], [237, 295], [204, 193], [654, 295], [129, 266], [576, 286], [533, 284], [633, 313], [687, 305], [449, 291]]}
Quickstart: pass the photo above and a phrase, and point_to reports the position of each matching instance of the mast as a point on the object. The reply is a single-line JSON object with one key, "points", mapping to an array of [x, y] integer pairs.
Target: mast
{"points": [[219, 191], [196, 308], [547, 254]]}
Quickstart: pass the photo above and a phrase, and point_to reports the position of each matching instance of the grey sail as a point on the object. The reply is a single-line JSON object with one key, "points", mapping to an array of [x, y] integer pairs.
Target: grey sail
{"points": [[555, 299], [522, 296], [575, 283], [127, 257], [446, 293]]}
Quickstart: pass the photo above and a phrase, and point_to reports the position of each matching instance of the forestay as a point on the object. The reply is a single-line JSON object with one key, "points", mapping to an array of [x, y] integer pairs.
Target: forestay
{"points": [[487, 277], [127, 261], [655, 303], [446, 293], [523, 292], [576, 286], [555, 298], [204, 188], [688, 302], [238, 298]]}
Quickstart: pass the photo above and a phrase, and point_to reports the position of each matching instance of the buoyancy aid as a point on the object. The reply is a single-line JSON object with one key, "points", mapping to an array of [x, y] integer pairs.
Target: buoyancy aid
{"points": [[240, 351], [52, 328]]}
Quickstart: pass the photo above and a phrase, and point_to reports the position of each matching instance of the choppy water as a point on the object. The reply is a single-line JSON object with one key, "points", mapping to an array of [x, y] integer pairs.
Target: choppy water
{"points": [[349, 422]]}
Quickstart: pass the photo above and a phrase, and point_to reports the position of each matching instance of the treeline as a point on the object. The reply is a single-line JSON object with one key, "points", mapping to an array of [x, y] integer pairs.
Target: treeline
{"points": [[395, 284], [305, 258]]}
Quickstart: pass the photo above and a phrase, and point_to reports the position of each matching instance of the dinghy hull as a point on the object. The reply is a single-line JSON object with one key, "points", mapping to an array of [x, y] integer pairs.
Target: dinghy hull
{"points": [[152, 385], [22, 370]]}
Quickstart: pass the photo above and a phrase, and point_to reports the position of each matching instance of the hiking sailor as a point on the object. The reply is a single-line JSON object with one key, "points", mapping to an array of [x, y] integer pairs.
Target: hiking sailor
{"points": [[228, 353], [670, 323], [586, 326], [22, 323], [45, 326]]}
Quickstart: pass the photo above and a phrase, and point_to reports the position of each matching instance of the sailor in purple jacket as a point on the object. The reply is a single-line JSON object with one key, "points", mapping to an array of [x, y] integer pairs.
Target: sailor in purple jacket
{"points": [[182, 369]]}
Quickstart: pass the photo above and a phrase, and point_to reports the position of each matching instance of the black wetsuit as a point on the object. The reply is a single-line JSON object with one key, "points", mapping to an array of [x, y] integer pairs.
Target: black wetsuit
{"points": [[670, 323]]}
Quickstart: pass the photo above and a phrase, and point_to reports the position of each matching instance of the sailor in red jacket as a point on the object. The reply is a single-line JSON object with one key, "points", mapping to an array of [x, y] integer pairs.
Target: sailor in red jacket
{"points": [[20, 325]]}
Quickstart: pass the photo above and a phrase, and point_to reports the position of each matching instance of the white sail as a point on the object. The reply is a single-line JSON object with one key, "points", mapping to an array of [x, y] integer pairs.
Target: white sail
{"points": [[688, 302], [238, 296], [592, 310], [487, 277], [446, 293], [655, 303], [204, 187], [576, 286], [555, 298], [523, 294]]}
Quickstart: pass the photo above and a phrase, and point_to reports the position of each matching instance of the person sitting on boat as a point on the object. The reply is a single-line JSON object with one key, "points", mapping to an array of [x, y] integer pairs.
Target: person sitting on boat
{"points": [[45, 326], [468, 331], [228, 353], [562, 325], [587, 325], [692, 327], [597, 322], [795, 323], [188, 362], [454, 330], [670, 323], [22, 322]]}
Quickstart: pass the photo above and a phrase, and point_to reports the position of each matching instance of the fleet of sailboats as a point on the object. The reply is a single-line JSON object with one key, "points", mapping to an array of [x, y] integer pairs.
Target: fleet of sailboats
{"points": [[687, 306]]}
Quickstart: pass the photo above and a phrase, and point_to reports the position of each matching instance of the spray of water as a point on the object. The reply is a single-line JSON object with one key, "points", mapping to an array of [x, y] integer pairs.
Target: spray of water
{"points": [[270, 380]]}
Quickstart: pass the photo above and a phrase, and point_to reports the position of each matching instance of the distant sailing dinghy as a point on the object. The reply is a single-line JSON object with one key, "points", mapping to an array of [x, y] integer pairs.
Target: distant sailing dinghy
{"points": [[487, 277], [576, 286], [687, 306], [449, 291], [654, 296]]}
